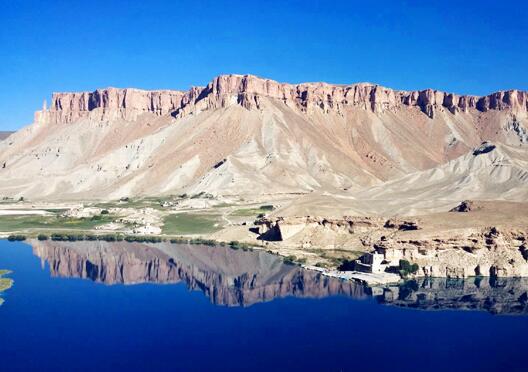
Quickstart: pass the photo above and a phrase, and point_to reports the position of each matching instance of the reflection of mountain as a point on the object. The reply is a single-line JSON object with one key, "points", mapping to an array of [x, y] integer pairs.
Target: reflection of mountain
{"points": [[226, 276], [497, 296]]}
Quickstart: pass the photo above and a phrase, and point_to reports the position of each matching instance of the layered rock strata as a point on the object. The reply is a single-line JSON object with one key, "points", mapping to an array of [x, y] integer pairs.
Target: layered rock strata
{"points": [[248, 91]]}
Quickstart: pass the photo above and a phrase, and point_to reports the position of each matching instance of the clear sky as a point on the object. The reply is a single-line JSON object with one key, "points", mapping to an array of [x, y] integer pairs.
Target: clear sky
{"points": [[473, 47]]}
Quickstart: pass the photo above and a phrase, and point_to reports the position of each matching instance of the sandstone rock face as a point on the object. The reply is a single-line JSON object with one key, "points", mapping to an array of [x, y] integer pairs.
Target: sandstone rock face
{"points": [[489, 239], [248, 135], [104, 104], [485, 252], [248, 90]]}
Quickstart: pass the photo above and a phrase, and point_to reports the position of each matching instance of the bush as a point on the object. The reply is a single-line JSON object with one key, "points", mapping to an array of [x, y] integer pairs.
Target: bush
{"points": [[42, 237], [18, 238], [407, 268], [267, 207], [179, 241], [289, 260], [238, 245], [209, 242], [105, 211], [58, 237]]}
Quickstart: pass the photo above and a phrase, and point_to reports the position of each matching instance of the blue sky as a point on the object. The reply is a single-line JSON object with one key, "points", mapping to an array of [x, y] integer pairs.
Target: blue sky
{"points": [[473, 47]]}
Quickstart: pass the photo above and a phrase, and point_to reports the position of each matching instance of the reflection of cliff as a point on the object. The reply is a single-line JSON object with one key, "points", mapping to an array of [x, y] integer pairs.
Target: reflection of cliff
{"points": [[497, 296], [227, 277]]}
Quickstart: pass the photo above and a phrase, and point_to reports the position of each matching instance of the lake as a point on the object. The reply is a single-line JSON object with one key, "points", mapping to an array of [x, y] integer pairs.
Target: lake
{"points": [[127, 306]]}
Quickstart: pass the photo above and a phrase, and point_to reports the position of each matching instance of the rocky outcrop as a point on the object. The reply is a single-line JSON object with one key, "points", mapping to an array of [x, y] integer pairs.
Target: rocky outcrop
{"points": [[283, 228], [485, 252], [249, 91], [110, 103]]}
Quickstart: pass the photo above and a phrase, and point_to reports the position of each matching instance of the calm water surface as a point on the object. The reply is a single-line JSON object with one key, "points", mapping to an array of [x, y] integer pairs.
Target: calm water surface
{"points": [[115, 306]]}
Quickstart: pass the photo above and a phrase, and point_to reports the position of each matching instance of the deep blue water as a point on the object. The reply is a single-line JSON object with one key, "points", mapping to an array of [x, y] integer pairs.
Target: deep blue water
{"points": [[72, 324]]}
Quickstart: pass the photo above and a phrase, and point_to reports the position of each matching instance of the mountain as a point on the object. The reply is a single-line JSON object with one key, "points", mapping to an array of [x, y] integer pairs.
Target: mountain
{"points": [[248, 136]]}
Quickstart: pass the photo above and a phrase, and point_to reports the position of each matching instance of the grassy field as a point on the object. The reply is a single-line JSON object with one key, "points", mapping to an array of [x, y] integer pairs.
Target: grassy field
{"points": [[146, 202], [251, 212], [34, 222], [190, 223]]}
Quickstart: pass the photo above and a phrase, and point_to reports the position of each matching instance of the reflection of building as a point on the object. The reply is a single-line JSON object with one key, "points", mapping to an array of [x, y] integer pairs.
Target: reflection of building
{"points": [[497, 296]]}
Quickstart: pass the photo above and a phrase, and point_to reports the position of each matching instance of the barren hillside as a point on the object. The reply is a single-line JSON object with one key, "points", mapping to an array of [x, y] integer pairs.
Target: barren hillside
{"points": [[247, 136]]}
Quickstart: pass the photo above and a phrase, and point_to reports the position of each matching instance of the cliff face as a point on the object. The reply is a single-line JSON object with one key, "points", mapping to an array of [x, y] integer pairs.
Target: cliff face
{"points": [[248, 91], [268, 137], [110, 103]]}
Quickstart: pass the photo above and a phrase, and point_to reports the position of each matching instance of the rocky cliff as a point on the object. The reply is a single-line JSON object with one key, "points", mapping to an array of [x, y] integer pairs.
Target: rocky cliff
{"points": [[249, 90], [246, 135]]}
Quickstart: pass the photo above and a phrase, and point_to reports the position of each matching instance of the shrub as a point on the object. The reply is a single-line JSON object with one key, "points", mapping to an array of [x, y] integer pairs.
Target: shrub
{"points": [[18, 238], [407, 268], [289, 260], [238, 245], [42, 237], [179, 241], [267, 207], [105, 211], [209, 242], [57, 237]]}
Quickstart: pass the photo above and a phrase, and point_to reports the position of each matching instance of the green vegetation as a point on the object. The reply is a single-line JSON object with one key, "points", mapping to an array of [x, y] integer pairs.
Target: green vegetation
{"points": [[5, 283], [290, 260], [16, 238], [407, 268], [238, 245], [293, 260], [190, 223], [32, 222], [251, 212]]}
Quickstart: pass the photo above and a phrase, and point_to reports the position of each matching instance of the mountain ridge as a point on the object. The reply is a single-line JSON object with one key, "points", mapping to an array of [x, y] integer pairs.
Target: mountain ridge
{"points": [[69, 106], [243, 135]]}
